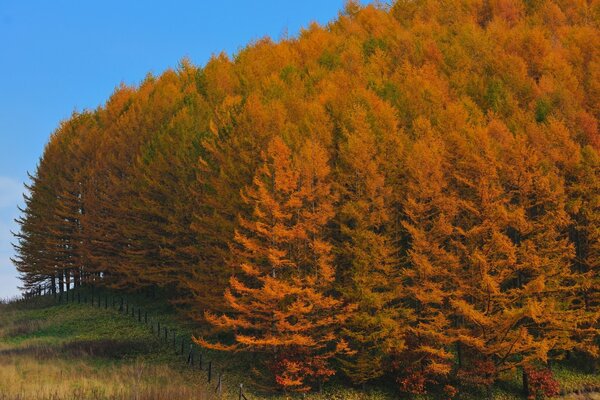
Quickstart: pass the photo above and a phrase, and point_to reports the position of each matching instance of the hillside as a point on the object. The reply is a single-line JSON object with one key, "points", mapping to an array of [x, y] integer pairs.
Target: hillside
{"points": [[64, 351], [53, 349], [407, 198], [76, 349]]}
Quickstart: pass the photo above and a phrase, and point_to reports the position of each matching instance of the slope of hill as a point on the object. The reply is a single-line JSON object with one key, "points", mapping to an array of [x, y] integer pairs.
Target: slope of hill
{"points": [[51, 351], [76, 348], [55, 348]]}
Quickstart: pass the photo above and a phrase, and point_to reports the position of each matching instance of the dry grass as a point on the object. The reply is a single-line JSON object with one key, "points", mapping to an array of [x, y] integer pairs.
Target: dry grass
{"points": [[21, 328], [50, 352], [26, 377]]}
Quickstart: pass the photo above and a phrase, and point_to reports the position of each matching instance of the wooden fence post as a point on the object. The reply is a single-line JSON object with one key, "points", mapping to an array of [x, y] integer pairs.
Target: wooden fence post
{"points": [[219, 384], [190, 359], [209, 371], [241, 391]]}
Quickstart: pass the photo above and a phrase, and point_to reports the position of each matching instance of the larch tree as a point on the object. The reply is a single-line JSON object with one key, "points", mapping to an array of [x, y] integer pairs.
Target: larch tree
{"points": [[539, 283], [34, 257], [430, 270], [279, 295], [368, 272], [584, 206]]}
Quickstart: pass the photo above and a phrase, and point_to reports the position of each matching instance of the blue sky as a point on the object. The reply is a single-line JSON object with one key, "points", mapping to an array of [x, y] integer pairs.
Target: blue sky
{"points": [[59, 56]]}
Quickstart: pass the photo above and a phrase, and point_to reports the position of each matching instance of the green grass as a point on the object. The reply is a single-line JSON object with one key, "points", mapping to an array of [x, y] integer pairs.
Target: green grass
{"points": [[68, 338], [55, 340], [573, 380]]}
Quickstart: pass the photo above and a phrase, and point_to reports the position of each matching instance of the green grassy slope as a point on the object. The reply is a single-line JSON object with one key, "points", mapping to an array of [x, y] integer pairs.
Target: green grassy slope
{"points": [[52, 350], [54, 341], [56, 351]]}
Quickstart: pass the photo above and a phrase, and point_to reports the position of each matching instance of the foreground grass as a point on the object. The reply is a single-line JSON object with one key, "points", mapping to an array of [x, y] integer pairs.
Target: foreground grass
{"points": [[51, 351], [27, 377], [71, 351]]}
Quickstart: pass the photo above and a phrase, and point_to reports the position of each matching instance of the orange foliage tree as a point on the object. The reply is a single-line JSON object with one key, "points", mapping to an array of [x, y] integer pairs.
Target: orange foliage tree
{"points": [[279, 294]]}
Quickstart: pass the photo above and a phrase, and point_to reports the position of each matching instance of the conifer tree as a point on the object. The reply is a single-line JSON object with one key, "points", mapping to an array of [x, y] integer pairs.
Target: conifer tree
{"points": [[280, 291], [368, 271], [584, 206], [430, 276], [34, 257]]}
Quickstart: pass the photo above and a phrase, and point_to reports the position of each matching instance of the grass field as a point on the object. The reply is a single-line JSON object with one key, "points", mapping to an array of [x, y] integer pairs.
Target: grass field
{"points": [[51, 351], [73, 351]]}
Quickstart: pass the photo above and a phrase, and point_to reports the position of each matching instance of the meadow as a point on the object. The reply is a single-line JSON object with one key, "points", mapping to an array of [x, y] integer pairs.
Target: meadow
{"points": [[81, 352]]}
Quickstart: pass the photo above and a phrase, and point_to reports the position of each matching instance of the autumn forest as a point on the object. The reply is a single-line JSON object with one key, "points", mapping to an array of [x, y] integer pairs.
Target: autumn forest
{"points": [[410, 194]]}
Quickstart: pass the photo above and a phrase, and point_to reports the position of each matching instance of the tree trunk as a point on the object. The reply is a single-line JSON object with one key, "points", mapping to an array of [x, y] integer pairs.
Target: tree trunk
{"points": [[525, 384], [77, 277], [61, 282], [53, 284], [68, 280]]}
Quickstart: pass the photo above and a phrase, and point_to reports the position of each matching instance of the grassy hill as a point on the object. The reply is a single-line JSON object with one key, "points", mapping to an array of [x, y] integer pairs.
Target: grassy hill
{"points": [[50, 351], [79, 349]]}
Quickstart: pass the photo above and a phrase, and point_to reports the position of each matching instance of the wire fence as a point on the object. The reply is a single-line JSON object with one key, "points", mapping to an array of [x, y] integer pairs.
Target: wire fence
{"points": [[183, 345]]}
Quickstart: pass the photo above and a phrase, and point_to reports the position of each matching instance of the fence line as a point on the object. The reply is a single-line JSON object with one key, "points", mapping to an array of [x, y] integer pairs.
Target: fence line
{"points": [[124, 308]]}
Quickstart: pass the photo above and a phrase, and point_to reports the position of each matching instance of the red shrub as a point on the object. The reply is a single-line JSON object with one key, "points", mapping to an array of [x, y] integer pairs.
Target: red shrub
{"points": [[541, 383], [413, 383]]}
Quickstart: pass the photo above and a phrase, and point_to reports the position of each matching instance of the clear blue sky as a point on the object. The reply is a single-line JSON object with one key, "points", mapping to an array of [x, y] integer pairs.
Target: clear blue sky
{"points": [[59, 56]]}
